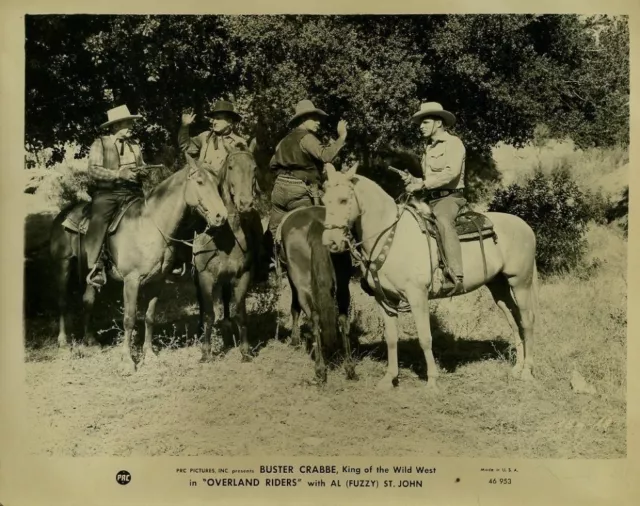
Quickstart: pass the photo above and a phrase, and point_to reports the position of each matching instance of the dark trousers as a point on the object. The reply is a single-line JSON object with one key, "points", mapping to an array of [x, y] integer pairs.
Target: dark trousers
{"points": [[104, 207], [445, 210], [289, 193]]}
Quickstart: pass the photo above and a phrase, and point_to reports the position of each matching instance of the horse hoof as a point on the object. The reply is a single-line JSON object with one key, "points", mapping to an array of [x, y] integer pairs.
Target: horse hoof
{"points": [[432, 388], [516, 371], [385, 384], [246, 357], [527, 375], [350, 373], [150, 357], [91, 342], [127, 367]]}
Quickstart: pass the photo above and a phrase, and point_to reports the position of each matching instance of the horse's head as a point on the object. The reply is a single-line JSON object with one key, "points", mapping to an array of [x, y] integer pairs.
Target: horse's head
{"points": [[342, 208], [201, 193], [238, 177]]}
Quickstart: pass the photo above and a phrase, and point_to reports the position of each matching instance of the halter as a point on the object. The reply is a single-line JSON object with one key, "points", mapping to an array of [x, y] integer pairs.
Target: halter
{"points": [[373, 265]]}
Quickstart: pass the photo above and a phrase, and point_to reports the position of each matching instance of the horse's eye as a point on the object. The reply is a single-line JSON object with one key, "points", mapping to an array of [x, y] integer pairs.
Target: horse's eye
{"points": [[343, 202]]}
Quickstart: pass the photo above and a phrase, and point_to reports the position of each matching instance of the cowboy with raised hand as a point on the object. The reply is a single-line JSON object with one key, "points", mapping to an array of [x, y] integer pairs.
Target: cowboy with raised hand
{"points": [[299, 160], [209, 146], [442, 185], [115, 163]]}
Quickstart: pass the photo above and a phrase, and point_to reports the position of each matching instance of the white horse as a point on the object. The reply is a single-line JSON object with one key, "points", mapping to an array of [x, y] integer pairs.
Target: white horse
{"points": [[405, 262]]}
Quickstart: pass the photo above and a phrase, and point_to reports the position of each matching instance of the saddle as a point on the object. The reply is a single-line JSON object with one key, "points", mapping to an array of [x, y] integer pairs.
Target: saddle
{"points": [[78, 218], [470, 226]]}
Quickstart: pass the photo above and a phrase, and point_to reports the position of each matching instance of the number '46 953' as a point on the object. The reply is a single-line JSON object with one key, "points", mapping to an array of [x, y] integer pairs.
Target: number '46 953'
{"points": [[500, 481]]}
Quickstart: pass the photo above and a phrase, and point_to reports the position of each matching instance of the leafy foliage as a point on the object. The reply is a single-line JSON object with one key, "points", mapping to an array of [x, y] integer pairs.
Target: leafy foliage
{"points": [[500, 74], [557, 211]]}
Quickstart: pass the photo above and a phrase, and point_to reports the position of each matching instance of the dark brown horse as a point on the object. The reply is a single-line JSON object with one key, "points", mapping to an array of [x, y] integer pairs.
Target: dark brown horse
{"points": [[319, 280], [226, 259], [141, 249]]}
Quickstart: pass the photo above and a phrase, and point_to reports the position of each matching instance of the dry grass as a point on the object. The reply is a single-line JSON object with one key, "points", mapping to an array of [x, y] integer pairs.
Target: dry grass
{"points": [[80, 405]]}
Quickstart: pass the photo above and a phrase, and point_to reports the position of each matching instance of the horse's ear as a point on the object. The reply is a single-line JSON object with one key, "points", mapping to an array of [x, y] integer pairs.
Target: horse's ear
{"points": [[351, 172], [253, 145], [190, 161], [331, 171]]}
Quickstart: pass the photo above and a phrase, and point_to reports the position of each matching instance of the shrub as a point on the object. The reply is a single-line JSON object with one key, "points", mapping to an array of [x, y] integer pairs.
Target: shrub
{"points": [[557, 211]]}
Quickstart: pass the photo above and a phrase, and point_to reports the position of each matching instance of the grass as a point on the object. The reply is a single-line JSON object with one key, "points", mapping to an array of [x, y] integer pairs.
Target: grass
{"points": [[80, 405]]}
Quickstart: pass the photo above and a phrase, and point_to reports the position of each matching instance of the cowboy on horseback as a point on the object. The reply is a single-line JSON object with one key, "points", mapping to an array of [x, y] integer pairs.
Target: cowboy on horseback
{"points": [[211, 145], [442, 185], [299, 160], [114, 167]]}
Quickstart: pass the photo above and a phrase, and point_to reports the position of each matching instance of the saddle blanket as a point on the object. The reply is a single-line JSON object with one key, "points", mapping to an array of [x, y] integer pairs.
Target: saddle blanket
{"points": [[78, 218]]}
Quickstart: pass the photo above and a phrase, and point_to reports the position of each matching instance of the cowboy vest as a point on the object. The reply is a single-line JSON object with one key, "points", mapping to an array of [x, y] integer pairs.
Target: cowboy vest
{"points": [[111, 161], [291, 160]]}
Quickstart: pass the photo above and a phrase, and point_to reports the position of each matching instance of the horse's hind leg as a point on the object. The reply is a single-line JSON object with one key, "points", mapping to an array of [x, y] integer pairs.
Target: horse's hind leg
{"points": [[295, 314], [152, 294], [321, 367], [62, 282], [343, 297], [518, 310], [88, 300]]}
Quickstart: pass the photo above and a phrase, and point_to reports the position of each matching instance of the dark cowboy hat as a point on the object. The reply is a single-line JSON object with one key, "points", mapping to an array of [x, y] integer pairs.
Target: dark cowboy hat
{"points": [[226, 107], [436, 110], [305, 108]]}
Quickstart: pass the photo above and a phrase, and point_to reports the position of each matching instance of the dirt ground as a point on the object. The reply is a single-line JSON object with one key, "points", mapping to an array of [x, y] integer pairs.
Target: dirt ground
{"points": [[80, 404]]}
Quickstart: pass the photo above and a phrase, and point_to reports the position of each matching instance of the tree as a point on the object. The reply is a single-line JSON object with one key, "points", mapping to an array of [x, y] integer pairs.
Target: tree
{"points": [[501, 74]]}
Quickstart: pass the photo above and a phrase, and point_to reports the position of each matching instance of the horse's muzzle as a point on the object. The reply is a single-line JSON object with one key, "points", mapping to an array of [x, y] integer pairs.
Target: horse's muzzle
{"points": [[216, 219], [334, 240], [244, 204]]}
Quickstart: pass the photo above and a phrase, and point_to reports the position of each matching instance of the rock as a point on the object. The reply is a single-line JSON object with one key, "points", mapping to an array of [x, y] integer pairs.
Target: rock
{"points": [[580, 385]]}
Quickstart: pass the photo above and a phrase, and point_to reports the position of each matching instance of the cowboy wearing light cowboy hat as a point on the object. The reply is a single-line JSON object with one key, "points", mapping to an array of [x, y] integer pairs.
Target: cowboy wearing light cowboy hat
{"points": [[299, 160], [209, 145], [115, 164], [442, 185]]}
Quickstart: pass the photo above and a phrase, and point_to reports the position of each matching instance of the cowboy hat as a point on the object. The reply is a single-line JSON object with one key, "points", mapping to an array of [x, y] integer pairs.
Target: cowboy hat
{"points": [[118, 114], [224, 106], [304, 108], [433, 109]]}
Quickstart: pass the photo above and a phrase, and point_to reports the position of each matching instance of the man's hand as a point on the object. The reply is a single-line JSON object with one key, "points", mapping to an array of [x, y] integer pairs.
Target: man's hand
{"points": [[412, 184], [188, 117], [127, 175], [342, 129]]}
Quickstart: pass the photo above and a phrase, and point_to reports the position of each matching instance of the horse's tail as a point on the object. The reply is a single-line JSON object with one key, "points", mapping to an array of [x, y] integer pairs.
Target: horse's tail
{"points": [[322, 289]]}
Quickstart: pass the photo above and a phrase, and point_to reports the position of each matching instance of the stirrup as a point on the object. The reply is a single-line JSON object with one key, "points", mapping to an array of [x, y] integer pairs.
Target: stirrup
{"points": [[89, 278]]}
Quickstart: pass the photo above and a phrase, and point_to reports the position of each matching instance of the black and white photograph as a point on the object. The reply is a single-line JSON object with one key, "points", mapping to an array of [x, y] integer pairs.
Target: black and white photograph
{"points": [[297, 235]]}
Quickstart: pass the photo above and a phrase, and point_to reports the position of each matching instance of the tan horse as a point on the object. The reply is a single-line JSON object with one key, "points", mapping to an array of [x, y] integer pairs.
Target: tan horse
{"points": [[141, 249], [355, 202]]}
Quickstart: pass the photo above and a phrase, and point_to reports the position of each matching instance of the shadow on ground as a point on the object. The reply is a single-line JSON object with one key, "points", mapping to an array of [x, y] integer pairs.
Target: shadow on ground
{"points": [[450, 352]]}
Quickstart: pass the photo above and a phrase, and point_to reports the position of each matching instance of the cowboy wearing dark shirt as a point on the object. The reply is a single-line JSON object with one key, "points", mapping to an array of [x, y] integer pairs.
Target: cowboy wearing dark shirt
{"points": [[299, 160]]}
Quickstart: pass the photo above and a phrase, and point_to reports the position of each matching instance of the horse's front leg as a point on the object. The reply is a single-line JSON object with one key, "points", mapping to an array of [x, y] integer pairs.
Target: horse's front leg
{"points": [[153, 292], [204, 292], [419, 301], [239, 314], [390, 379], [131, 288], [88, 301], [62, 282]]}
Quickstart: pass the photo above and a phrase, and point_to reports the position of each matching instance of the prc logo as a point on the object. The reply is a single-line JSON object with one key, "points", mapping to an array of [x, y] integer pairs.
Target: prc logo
{"points": [[123, 477]]}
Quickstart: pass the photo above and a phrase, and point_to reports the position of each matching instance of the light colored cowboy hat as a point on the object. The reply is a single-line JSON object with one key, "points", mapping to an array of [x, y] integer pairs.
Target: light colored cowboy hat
{"points": [[304, 108], [226, 107], [433, 109], [117, 114]]}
